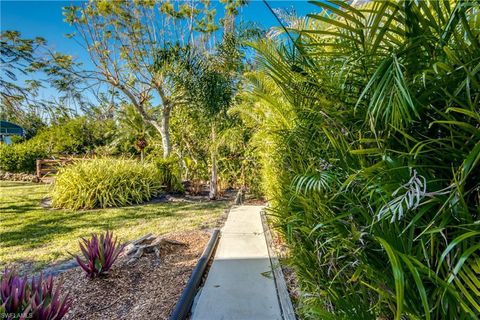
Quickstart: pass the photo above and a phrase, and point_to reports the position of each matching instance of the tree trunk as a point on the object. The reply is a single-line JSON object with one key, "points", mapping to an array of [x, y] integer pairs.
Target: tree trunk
{"points": [[213, 179], [165, 133], [163, 127]]}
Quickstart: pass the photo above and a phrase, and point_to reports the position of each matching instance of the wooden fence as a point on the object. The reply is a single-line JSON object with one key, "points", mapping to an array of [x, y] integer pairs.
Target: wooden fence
{"points": [[46, 168]]}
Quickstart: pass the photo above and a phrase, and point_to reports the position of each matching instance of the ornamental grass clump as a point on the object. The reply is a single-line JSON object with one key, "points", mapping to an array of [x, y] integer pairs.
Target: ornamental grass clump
{"points": [[100, 253], [37, 299], [102, 183]]}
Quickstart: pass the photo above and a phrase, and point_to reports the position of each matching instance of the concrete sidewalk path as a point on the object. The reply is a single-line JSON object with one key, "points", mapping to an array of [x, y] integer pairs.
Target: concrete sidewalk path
{"points": [[240, 284]]}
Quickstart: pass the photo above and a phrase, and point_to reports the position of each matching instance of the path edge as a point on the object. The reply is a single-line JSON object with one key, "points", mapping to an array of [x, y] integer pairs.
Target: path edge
{"points": [[286, 306]]}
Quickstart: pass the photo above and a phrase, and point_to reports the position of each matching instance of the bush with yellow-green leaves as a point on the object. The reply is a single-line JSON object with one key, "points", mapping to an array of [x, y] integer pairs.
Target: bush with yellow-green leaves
{"points": [[105, 182]]}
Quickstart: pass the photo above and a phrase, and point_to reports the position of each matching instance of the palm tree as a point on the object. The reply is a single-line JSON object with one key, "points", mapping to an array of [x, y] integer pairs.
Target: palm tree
{"points": [[132, 131], [373, 130]]}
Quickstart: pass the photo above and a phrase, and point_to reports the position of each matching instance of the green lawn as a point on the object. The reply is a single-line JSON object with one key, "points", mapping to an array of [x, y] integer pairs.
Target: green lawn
{"points": [[32, 237]]}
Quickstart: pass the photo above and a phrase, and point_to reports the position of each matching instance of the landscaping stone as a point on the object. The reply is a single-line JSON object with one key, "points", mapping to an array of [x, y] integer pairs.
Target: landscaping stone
{"points": [[10, 176]]}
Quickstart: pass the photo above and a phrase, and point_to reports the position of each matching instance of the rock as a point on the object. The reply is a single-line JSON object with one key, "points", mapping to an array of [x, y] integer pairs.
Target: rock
{"points": [[18, 176]]}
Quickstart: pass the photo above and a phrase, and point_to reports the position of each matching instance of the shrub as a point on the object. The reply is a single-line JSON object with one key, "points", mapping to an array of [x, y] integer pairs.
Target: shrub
{"points": [[100, 254], [105, 182], [14, 294], [38, 299], [78, 135], [21, 157], [372, 173], [169, 173]]}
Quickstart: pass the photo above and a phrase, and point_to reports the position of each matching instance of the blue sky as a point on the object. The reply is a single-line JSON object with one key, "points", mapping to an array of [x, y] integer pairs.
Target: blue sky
{"points": [[45, 19]]}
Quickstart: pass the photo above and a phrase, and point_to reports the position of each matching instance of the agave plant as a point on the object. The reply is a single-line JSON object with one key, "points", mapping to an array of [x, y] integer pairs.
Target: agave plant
{"points": [[100, 253], [38, 299]]}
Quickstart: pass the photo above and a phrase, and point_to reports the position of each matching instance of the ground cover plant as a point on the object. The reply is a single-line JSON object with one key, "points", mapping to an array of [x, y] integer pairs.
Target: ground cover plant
{"points": [[35, 299], [371, 125], [105, 182], [100, 252], [54, 233]]}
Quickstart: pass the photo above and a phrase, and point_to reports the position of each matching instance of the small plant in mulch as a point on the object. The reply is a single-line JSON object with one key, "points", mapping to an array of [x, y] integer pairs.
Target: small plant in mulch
{"points": [[35, 299], [100, 252]]}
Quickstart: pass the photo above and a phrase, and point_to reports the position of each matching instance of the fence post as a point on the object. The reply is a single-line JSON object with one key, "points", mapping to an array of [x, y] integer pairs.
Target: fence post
{"points": [[39, 169]]}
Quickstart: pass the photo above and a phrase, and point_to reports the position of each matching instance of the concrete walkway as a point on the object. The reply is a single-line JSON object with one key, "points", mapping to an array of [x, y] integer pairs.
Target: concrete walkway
{"points": [[240, 284]]}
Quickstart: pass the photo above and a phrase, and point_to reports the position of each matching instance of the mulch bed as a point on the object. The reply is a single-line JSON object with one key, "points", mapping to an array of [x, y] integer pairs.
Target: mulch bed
{"points": [[146, 289]]}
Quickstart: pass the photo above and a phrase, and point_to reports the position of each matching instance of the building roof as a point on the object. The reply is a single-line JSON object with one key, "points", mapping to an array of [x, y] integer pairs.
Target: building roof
{"points": [[9, 128]]}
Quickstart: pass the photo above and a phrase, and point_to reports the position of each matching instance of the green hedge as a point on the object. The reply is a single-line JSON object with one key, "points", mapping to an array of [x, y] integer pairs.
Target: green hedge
{"points": [[371, 158], [101, 183], [21, 157]]}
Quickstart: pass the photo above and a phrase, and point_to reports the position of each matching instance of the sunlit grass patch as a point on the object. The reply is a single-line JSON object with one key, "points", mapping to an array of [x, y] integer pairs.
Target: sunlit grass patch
{"points": [[32, 236]]}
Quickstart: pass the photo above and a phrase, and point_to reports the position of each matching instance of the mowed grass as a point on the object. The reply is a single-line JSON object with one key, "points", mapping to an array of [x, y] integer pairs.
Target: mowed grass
{"points": [[32, 237]]}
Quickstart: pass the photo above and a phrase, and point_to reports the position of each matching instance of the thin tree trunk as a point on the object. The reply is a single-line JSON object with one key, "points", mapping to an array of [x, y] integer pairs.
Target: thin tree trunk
{"points": [[213, 179], [165, 132], [163, 127]]}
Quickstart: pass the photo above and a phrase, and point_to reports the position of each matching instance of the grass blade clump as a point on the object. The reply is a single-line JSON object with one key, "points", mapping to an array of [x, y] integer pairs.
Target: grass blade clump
{"points": [[102, 183]]}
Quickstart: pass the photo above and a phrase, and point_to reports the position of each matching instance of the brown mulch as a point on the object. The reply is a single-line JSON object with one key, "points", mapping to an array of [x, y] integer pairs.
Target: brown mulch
{"points": [[146, 289]]}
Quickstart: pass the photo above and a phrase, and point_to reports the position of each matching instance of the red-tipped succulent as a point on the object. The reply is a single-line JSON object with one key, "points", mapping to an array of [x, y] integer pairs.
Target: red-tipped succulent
{"points": [[100, 253]]}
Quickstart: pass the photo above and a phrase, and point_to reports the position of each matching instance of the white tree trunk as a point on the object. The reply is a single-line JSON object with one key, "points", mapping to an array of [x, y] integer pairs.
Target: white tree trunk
{"points": [[165, 133], [213, 179]]}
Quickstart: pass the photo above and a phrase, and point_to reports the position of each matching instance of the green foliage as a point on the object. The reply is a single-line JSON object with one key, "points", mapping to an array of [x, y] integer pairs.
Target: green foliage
{"points": [[21, 157], [78, 135], [169, 172], [102, 183], [370, 130], [70, 137], [18, 56]]}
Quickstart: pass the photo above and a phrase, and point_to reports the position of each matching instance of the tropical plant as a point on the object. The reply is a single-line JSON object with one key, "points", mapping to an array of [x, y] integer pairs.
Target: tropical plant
{"points": [[14, 294], [142, 49], [371, 127], [168, 172], [132, 133], [37, 299], [100, 252], [105, 182]]}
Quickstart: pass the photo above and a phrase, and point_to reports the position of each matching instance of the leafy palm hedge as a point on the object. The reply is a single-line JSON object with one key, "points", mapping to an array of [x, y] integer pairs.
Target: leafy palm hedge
{"points": [[105, 182], [371, 133]]}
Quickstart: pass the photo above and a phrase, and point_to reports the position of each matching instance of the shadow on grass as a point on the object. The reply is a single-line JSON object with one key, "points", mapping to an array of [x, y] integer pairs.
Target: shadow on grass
{"points": [[57, 222], [14, 184], [18, 208]]}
